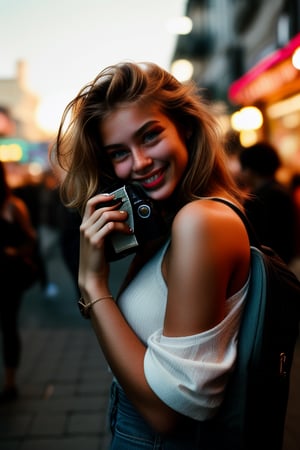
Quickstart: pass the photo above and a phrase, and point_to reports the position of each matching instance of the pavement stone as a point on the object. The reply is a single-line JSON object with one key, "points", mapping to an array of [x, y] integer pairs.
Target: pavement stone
{"points": [[64, 387]]}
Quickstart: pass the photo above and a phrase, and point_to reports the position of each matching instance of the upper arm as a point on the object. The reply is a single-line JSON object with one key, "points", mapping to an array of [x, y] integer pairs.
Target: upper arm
{"points": [[207, 262]]}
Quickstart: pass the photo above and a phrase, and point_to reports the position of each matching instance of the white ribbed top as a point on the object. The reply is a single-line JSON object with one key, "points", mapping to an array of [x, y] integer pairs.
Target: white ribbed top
{"points": [[188, 373]]}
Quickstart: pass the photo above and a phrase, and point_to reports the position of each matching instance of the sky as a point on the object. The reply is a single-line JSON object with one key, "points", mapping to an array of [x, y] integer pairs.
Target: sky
{"points": [[67, 42]]}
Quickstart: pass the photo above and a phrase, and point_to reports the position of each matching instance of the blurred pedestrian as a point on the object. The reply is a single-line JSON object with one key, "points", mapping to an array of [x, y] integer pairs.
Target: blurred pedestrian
{"points": [[17, 247], [70, 240], [295, 192], [270, 208], [41, 198]]}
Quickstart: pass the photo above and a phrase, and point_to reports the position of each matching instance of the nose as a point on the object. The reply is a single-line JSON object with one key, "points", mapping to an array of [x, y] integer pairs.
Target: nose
{"points": [[141, 160]]}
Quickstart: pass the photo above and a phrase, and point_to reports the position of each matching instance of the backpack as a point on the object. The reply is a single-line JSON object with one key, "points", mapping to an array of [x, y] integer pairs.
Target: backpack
{"points": [[253, 412]]}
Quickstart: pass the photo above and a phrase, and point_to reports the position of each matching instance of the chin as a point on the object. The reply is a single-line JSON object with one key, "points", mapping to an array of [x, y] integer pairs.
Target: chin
{"points": [[161, 195]]}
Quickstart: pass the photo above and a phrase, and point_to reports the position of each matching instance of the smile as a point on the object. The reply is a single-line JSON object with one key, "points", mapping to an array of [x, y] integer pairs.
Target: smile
{"points": [[154, 181]]}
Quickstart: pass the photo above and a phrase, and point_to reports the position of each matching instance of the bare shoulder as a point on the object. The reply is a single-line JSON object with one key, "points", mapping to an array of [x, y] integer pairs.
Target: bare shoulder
{"points": [[207, 218], [210, 235], [207, 262]]}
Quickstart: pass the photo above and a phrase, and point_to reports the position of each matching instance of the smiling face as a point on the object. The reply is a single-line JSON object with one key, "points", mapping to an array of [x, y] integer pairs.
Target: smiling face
{"points": [[146, 147]]}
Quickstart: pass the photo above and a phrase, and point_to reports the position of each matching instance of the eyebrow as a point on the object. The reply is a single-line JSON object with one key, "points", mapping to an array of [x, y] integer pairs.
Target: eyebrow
{"points": [[136, 134]]}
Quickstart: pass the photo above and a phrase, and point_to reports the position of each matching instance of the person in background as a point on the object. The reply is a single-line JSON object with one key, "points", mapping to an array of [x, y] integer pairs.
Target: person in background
{"points": [[270, 209], [40, 197], [29, 193], [70, 221], [170, 337], [295, 193], [17, 240]]}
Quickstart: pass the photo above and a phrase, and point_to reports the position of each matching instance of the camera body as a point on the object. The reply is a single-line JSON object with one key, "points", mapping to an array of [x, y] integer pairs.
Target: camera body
{"points": [[144, 219]]}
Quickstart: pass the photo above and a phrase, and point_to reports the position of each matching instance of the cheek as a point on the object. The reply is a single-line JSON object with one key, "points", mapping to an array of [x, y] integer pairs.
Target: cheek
{"points": [[122, 170]]}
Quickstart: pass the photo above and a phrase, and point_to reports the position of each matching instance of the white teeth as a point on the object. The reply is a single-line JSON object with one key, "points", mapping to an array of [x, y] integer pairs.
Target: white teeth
{"points": [[151, 179]]}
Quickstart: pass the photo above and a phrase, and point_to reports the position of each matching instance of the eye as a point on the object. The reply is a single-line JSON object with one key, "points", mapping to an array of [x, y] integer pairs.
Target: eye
{"points": [[118, 154], [151, 136]]}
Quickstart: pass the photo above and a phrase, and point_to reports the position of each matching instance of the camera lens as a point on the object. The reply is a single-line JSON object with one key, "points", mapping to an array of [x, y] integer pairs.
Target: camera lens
{"points": [[144, 211]]}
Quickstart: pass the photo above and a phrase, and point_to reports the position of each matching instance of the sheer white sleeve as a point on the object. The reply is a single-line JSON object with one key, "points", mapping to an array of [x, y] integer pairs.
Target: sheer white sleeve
{"points": [[190, 373]]}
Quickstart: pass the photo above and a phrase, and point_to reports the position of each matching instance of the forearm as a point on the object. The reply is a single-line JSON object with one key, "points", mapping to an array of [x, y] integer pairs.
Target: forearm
{"points": [[123, 350], [125, 355]]}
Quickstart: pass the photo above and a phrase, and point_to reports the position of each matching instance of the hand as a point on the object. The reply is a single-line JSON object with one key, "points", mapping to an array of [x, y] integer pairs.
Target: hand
{"points": [[99, 220]]}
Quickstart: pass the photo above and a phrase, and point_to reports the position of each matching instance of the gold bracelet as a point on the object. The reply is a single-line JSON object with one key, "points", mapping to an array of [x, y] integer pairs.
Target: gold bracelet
{"points": [[84, 308]]}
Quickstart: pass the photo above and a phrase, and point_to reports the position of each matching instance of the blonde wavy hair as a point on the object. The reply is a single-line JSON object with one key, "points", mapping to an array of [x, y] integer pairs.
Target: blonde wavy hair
{"points": [[78, 146]]}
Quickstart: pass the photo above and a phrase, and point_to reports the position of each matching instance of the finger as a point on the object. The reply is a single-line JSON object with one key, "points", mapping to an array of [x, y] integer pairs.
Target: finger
{"points": [[100, 217], [100, 201], [97, 237], [104, 223]]}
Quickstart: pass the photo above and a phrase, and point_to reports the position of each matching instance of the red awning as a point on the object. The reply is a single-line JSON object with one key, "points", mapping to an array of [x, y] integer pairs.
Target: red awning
{"points": [[272, 72]]}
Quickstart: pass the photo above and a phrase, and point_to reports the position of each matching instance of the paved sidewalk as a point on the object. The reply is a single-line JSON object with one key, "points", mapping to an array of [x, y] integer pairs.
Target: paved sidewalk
{"points": [[64, 385], [64, 388]]}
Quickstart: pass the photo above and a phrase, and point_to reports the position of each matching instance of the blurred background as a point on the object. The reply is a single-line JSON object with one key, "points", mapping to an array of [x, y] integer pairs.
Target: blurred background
{"points": [[244, 55]]}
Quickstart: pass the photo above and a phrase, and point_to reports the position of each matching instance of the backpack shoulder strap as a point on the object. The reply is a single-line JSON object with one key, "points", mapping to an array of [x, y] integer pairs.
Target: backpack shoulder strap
{"points": [[253, 238]]}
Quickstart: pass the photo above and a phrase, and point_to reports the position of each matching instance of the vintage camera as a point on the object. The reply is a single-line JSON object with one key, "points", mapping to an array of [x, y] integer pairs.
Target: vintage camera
{"points": [[144, 218]]}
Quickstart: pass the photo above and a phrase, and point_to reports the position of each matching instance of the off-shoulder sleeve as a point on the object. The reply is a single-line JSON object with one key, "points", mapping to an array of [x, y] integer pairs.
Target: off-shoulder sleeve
{"points": [[190, 373]]}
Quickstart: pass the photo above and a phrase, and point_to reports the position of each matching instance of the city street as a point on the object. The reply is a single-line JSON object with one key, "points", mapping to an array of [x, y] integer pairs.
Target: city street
{"points": [[64, 380]]}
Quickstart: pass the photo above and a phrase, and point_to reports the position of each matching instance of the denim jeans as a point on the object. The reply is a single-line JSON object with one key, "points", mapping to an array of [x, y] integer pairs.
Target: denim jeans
{"points": [[131, 432]]}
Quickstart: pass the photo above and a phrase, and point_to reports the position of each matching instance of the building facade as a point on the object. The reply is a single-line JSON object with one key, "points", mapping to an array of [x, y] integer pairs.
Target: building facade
{"points": [[22, 104], [242, 54]]}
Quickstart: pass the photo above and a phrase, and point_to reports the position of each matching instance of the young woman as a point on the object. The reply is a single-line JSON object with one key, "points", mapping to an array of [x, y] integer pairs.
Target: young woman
{"points": [[170, 337]]}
